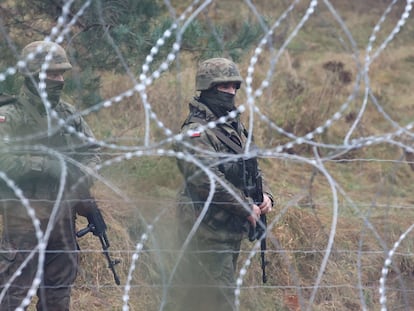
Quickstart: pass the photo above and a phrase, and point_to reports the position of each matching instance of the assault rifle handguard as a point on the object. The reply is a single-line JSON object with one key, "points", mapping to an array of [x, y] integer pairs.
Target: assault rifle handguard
{"points": [[97, 225], [254, 190]]}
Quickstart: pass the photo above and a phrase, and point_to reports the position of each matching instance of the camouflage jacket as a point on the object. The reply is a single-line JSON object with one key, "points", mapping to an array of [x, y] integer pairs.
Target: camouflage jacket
{"points": [[25, 140], [229, 207]]}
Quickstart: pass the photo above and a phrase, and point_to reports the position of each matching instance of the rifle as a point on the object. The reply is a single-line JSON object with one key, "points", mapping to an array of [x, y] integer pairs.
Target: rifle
{"points": [[97, 225], [254, 189]]}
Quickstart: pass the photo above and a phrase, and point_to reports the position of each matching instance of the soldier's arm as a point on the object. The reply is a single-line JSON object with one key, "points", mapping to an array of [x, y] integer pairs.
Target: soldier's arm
{"points": [[90, 155], [15, 161], [86, 152]]}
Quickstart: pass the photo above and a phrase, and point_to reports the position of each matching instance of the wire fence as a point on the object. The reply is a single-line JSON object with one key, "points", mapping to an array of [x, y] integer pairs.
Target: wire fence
{"points": [[334, 146]]}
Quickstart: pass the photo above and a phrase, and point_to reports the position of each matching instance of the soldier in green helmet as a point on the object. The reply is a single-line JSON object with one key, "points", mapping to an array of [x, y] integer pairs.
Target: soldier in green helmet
{"points": [[46, 162], [206, 277]]}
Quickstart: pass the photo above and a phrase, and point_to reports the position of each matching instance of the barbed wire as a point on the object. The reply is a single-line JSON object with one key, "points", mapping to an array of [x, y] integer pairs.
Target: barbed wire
{"points": [[339, 199]]}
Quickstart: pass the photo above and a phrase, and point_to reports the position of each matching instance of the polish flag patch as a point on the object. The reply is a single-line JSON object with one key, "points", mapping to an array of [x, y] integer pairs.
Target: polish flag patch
{"points": [[2, 119], [195, 134]]}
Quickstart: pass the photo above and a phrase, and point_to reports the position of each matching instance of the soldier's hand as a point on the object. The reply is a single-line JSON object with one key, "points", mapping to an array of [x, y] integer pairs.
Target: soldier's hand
{"points": [[266, 205], [83, 208], [255, 215]]}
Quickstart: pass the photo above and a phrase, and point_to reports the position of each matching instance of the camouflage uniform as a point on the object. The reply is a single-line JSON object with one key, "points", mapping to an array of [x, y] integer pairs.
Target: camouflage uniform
{"points": [[24, 159], [208, 269]]}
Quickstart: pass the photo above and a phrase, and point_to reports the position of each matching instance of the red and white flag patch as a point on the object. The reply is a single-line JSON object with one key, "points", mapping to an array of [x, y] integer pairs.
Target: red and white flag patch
{"points": [[2, 119], [195, 134]]}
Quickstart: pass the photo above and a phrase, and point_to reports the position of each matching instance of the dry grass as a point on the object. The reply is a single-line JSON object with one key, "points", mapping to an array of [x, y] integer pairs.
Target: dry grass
{"points": [[298, 241], [304, 92]]}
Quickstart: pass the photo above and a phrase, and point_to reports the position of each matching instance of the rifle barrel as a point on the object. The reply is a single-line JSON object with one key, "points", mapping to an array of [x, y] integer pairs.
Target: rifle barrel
{"points": [[111, 263]]}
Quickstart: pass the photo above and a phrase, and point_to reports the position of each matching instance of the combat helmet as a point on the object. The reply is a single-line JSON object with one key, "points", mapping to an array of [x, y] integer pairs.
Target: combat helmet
{"points": [[34, 54], [216, 70]]}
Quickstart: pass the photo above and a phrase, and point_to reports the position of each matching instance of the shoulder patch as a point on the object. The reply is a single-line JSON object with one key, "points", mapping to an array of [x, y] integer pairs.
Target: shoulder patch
{"points": [[2, 119]]}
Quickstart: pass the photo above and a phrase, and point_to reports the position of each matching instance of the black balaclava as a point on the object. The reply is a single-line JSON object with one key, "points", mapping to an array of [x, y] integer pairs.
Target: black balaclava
{"points": [[220, 103], [53, 89]]}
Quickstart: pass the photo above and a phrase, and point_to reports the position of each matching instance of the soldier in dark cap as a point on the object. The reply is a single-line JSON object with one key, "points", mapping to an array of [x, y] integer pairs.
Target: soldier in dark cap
{"points": [[43, 159], [206, 278]]}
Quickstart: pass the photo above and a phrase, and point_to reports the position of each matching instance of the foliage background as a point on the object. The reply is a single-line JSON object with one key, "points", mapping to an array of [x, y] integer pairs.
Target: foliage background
{"points": [[314, 76]]}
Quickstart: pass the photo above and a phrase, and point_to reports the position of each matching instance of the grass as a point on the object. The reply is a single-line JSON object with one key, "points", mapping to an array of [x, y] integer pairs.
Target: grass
{"points": [[302, 95]]}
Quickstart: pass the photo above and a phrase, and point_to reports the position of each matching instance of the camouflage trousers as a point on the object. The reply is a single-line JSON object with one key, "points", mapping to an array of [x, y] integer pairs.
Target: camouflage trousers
{"points": [[205, 277], [60, 262]]}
